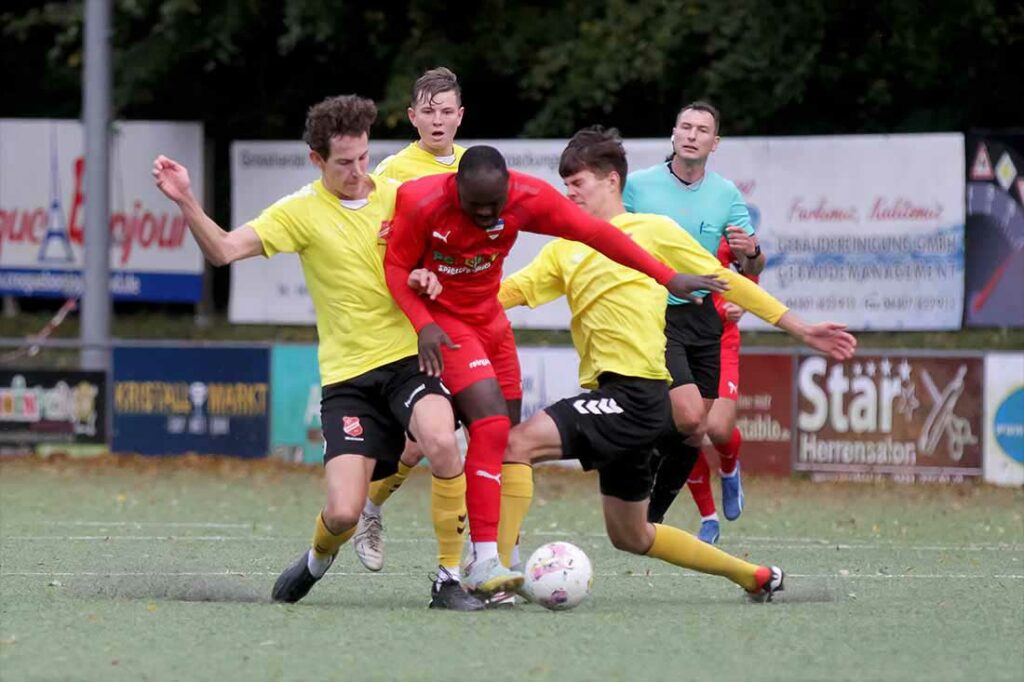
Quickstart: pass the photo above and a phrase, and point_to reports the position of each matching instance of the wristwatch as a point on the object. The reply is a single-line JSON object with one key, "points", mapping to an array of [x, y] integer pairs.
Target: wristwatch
{"points": [[757, 252]]}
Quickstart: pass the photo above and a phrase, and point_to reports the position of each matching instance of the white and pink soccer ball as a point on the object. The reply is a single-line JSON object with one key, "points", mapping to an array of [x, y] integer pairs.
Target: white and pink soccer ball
{"points": [[558, 576]]}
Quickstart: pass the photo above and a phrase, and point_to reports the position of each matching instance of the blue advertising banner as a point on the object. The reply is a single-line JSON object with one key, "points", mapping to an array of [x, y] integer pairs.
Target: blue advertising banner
{"points": [[205, 400], [295, 431]]}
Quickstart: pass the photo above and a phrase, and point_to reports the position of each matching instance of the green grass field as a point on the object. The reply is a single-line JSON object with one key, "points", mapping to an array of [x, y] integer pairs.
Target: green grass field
{"points": [[160, 570]]}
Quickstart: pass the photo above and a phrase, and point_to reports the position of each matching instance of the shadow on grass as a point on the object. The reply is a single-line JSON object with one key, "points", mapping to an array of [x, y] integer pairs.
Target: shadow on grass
{"points": [[204, 589]]}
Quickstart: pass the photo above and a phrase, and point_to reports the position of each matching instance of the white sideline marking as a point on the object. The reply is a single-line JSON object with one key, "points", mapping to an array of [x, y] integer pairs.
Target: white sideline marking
{"points": [[178, 538], [159, 524], [739, 542], [366, 574]]}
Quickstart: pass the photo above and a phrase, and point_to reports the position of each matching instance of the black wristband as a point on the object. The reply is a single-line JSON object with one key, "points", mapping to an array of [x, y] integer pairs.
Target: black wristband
{"points": [[757, 252]]}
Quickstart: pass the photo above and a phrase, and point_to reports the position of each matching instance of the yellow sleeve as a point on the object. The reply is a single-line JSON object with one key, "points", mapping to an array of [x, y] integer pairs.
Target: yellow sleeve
{"points": [[281, 228], [676, 248], [538, 283], [510, 295], [386, 168]]}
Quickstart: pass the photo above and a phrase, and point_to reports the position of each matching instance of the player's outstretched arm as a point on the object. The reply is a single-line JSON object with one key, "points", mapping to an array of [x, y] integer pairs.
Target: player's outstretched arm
{"points": [[218, 246], [830, 338]]}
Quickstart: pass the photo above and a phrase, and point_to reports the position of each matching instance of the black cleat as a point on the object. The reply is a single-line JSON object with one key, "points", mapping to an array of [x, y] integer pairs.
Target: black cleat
{"points": [[772, 581], [447, 593], [295, 582]]}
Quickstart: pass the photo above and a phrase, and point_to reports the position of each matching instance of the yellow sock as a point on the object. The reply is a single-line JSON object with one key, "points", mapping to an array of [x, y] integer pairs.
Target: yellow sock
{"points": [[516, 495], [448, 511], [381, 490], [682, 549], [326, 543]]}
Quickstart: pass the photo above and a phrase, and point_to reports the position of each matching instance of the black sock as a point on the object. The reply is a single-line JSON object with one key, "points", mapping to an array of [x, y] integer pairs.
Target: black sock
{"points": [[672, 469]]}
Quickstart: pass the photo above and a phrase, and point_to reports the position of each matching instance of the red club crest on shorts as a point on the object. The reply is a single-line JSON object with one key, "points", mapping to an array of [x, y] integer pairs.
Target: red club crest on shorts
{"points": [[351, 426]]}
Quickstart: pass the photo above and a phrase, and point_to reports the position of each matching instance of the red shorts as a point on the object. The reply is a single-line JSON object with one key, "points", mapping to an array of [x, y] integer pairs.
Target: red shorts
{"points": [[485, 352], [729, 374]]}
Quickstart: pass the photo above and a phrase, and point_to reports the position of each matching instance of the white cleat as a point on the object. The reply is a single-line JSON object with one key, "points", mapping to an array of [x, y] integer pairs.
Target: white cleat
{"points": [[487, 577], [368, 542]]}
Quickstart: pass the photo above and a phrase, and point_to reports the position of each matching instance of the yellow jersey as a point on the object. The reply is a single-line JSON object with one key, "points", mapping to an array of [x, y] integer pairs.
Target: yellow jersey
{"points": [[618, 314], [358, 322], [415, 162]]}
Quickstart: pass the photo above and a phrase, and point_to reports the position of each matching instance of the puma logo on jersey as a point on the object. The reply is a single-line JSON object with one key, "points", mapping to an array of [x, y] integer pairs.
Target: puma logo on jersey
{"points": [[733, 388], [482, 362], [442, 237], [494, 477]]}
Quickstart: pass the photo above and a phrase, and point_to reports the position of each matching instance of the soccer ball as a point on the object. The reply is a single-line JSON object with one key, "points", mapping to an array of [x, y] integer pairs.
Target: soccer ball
{"points": [[558, 576]]}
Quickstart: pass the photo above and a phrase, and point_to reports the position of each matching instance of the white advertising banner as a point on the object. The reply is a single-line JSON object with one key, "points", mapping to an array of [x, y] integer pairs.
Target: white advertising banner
{"points": [[865, 229], [1004, 418], [42, 211]]}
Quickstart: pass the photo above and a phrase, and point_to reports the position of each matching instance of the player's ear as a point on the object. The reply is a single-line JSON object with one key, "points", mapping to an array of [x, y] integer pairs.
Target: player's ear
{"points": [[317, 160]]}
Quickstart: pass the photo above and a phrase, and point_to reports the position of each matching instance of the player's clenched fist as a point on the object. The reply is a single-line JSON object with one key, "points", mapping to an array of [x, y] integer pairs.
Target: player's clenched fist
{"points": [[172, 179]]}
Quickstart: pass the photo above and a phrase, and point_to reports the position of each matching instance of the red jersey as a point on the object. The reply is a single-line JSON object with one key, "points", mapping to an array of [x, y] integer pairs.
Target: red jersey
{"points": [[727, 258], [430, 230]]}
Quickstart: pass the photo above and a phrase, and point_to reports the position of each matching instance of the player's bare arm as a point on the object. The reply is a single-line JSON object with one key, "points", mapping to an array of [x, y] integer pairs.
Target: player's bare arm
{"points": [[219, 246], [830, 338]]}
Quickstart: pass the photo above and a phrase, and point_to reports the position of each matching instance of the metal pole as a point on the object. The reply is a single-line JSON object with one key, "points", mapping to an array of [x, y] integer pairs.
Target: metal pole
{"points": [[96, 304]]}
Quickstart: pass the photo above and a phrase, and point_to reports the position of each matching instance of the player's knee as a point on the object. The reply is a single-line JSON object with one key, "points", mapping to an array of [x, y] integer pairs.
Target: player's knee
{"points": [[519, 449], [719, 432], [439, 445], [627, 540], [340, 515], [689, 420]]}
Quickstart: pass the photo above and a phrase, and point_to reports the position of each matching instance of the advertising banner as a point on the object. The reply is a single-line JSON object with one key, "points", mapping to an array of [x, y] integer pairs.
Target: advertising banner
{"points": [[1004, 418], [903, 417], [995, 231], [52, 411], [879, 245], [42, 211], [765, 412], [295, 430], [203, 400]]}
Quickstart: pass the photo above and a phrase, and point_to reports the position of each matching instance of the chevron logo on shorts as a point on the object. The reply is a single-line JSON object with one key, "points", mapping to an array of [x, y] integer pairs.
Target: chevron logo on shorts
{"points": [[602, 406]]}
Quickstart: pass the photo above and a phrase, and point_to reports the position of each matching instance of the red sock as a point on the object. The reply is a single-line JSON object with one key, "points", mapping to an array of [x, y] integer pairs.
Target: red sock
{"points": [[700, 486], [729, 452], [488, 438]]}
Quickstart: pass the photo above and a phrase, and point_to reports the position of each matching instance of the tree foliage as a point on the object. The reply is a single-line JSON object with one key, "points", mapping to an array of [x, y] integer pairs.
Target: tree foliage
{"points": [[249, 68]]}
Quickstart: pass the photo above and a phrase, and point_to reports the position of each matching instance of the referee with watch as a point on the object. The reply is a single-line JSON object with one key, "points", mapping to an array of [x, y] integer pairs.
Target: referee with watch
{"points": [[710, 208]]}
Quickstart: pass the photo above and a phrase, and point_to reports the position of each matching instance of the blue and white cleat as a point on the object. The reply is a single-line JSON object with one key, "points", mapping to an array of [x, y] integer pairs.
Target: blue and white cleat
{"points": [[709, 532], [732, 494]]}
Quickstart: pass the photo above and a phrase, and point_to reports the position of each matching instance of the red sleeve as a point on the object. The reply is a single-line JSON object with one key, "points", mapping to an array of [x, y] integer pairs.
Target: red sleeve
{"points": [[406, 245], [555, 215]]}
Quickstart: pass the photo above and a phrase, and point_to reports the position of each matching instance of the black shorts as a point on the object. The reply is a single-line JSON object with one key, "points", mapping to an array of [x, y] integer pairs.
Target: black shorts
{"points": [[614, 430], [369, 414], [693, 348]]}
